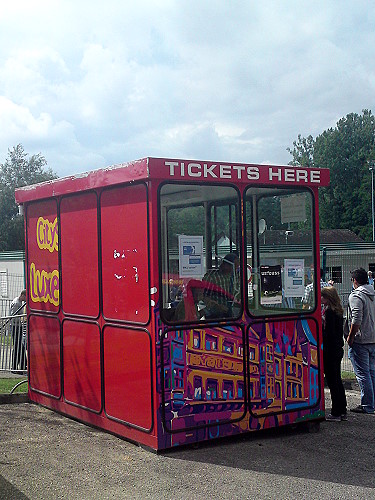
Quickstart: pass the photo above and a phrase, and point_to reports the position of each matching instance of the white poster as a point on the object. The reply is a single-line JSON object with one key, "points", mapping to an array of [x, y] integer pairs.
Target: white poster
{"points": [[294, 277], [293, 208], [190, 256]]}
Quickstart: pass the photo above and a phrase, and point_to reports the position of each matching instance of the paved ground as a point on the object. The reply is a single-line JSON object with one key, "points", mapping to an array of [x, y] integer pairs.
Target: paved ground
{"points": [[44, 455]]}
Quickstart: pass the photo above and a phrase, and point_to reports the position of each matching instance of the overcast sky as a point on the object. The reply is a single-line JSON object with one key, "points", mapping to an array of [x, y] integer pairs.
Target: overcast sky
{"points": [[90, 84]]}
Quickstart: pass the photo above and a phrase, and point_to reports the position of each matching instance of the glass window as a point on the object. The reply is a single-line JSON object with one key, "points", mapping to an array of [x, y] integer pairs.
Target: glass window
{"points": [[334, 273], [200, 241], [228, 347], [228, 389], [196, 339], [280, 250], [240, 387], [211, 390], [197, 388], [211, 343]]}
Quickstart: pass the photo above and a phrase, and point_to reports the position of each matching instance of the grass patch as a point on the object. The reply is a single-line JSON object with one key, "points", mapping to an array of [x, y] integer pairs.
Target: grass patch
{"points": [[7, 384], [347, 375]]}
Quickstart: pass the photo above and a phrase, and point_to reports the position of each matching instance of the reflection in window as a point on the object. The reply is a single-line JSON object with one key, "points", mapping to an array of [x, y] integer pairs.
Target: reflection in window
{"points": [[281, 250], [200, 227]]}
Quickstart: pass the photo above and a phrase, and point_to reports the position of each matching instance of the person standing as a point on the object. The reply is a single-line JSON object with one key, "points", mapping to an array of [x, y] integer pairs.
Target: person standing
{"points": [[370, 278], [361, 338], [333, 343], [19, 354], [308, 298], [223, 279]]}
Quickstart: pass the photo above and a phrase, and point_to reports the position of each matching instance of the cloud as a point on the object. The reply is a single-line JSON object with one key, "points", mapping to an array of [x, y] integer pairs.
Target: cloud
{"points": [[91, 85]]}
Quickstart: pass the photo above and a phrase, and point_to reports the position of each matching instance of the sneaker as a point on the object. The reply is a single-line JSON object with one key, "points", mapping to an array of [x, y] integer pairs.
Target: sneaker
{"points": [[360, 409], [333, 418], [344, 416]]}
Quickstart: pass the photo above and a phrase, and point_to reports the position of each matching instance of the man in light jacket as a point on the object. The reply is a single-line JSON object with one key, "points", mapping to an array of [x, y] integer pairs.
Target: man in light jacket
{"points": [[361, 338]]}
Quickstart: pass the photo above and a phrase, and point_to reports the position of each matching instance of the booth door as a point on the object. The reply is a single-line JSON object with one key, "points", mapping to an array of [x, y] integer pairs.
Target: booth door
{"points": [[283, 366]]}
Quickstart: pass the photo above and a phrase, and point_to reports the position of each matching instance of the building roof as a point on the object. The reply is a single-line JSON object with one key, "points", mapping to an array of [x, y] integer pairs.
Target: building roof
{"points": [[303, 237], [328, 236]]}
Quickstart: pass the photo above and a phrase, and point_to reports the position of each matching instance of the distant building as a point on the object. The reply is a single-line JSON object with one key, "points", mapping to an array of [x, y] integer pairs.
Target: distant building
{"points": [[12, 274]]}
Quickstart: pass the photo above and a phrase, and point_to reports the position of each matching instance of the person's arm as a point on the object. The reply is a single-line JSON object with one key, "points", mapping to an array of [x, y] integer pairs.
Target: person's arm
{"points": [[356, 308], [13, 308], [352, 333]]}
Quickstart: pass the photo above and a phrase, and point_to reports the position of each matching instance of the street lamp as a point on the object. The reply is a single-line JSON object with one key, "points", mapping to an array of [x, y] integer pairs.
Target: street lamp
{"points": [[372, 168]]}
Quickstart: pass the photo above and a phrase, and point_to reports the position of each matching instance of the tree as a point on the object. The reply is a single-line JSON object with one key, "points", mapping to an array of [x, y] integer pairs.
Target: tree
{"points": [[18, 170], [346, 151]]}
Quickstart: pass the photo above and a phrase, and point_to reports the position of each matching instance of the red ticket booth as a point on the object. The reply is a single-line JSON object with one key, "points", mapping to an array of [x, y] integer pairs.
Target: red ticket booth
{"points": [[126, 329]]}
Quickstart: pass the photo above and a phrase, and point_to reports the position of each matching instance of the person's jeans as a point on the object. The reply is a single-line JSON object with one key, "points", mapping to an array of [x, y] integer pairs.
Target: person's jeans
{"points": [[362, 357]]}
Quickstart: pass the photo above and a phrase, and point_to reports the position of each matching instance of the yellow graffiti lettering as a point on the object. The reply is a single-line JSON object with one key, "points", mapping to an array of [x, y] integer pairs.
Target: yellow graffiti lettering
{"points": [[47, 234], [214, 363], [44, 286]]}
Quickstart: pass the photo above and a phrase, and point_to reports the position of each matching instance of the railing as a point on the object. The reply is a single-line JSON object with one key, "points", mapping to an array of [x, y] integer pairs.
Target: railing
{"points": [[13, 344]]}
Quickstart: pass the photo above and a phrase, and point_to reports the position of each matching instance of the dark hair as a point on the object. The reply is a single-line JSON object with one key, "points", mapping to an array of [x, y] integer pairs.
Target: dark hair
{"points": [[230, 258], [360, 275]]}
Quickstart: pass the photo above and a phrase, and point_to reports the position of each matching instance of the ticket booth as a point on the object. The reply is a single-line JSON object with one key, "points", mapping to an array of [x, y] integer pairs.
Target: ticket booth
{"points": [[165, 298]]}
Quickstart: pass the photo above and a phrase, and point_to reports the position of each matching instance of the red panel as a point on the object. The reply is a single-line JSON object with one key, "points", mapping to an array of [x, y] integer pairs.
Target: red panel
{"points": [[42, 250], [79, 255], [125, 253], [81, 350], [127, 376], [44, 354], [116, 174]]}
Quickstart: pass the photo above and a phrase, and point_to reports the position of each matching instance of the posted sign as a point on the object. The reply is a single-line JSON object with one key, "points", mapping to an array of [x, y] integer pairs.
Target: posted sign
{"points": [[293, 277], [190, 256]]}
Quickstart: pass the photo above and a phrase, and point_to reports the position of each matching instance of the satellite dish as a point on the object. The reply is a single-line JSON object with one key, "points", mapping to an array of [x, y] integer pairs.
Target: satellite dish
{"points": [[262, 225]]}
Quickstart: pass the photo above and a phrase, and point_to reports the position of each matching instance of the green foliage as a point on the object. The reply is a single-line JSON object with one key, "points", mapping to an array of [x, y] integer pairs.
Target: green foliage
{"points": [[303, 151], [18, 170], [184, 220], [346, 150]]}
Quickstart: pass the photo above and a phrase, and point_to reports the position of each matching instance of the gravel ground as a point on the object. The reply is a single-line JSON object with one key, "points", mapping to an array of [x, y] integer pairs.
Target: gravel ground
{"points": [[44, 455]]}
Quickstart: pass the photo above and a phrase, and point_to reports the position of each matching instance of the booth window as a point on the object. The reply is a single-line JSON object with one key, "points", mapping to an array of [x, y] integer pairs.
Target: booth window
{"points": [[280, 251], [334, 273], [200, 231]]}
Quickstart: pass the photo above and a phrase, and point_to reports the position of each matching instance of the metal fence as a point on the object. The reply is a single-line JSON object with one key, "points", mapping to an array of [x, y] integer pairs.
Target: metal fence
{"points": [[11, 286], [13, 344], [338, 261], [13, 329]]}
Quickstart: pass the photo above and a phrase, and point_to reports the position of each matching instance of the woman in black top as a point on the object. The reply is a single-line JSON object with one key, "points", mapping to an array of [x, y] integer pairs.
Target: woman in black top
{"points": [[333, 343]]}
